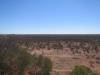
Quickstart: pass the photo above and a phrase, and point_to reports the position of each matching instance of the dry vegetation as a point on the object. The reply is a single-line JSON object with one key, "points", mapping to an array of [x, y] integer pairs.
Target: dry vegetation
{"points": [[64, 53]]}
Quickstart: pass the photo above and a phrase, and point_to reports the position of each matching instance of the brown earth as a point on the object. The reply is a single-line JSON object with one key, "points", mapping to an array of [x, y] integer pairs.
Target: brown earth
{"points": [[65, 61]]}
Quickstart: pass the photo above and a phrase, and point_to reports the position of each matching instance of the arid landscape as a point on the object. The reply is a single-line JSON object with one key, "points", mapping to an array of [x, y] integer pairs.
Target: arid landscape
{"points": [[49, 37], [65, 51]]}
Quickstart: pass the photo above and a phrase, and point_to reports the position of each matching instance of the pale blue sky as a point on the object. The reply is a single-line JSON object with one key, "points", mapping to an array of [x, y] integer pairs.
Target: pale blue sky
{"points": [[49, 16]]}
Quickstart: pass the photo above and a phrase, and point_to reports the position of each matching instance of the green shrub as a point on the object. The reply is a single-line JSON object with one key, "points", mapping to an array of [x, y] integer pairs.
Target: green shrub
{"points": [[82, 70]]}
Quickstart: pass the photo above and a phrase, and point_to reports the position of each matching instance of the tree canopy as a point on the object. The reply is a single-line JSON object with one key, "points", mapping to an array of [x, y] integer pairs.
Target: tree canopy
{"points": [[15, 61]]}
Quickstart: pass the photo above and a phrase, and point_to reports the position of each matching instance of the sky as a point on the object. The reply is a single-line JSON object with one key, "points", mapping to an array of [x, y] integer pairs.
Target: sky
{"points": [[49, 16]]}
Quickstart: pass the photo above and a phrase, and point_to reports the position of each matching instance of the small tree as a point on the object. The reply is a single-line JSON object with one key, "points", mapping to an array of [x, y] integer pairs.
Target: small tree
{"points": [[46, 66]]}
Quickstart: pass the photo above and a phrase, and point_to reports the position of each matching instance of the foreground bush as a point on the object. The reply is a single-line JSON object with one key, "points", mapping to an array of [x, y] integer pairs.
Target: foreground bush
{"points": [[82, 70]]}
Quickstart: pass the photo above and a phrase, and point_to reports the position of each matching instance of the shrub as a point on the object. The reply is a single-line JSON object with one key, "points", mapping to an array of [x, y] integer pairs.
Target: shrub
{"points": [[82, 70]]}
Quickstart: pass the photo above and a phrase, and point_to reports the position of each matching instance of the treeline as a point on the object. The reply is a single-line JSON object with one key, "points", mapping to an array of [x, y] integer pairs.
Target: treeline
{"points": [[77, 46], [17, 61]]}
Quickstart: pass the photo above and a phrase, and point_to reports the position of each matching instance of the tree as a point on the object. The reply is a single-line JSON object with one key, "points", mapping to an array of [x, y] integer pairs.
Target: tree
{"points": [[15, 60]]}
